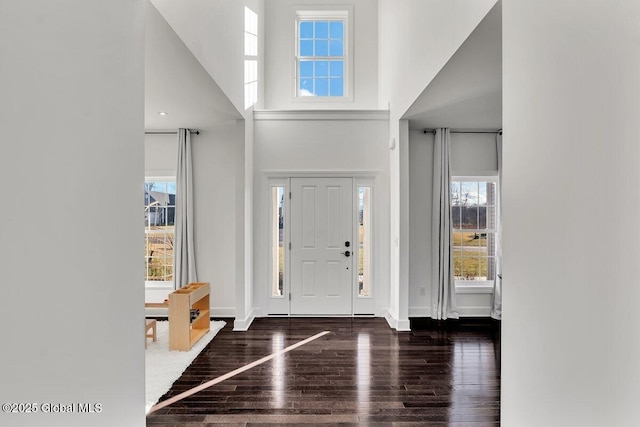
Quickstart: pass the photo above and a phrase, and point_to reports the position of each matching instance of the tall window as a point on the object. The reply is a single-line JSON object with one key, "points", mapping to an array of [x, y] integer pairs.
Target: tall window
{"points": [[321, 54], [277, 241], [473, 211], [250, 57], [364, 241], [159, 230]]}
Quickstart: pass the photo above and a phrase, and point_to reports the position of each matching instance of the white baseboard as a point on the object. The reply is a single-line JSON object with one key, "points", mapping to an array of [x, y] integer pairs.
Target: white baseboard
{"points": [[390, 320], [242, 325], [404, 326], [397, 324], [474, 311], [462, 311], [223, 312]]}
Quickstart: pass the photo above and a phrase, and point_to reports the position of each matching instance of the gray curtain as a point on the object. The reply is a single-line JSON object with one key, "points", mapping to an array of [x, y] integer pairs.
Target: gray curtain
{"points": [[443, 298], [184, 254], [496, 300]]}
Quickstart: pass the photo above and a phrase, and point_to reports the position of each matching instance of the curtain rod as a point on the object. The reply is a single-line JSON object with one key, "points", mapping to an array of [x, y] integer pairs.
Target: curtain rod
{"points": [[465, 131], [196, 131]]}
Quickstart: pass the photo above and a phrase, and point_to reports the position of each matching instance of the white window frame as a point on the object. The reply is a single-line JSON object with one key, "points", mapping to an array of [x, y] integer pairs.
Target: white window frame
{"points": [[356, 244], [251, 58], [158, 284], [274, 242], [477, 286], [344, 13], [277, 303], [365, 305]]}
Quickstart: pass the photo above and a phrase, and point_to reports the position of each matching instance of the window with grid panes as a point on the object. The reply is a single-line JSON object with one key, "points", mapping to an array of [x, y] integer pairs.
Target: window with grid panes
{"points": [[159, 230], [321, 54], [250, 58], [473, 213]]}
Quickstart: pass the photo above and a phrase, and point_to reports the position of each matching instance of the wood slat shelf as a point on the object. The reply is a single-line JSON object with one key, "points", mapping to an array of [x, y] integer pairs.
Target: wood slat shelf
{"points": [[203, 313], [156, 304], [196, 334], [183, 333]]}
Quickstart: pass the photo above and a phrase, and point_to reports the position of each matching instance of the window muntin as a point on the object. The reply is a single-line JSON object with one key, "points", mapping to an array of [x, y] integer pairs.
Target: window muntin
{"points": [[321, 61], [473, 214], [159, 230]]}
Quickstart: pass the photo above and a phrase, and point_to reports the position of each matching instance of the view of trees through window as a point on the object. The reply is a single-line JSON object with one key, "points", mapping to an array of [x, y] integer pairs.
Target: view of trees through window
{"points": [[473, 212], [159, 230]]}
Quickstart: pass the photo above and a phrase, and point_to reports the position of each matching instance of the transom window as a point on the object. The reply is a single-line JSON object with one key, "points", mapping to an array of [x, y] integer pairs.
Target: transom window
{"points": [[159, 230], [321, 59], [473, 212]]}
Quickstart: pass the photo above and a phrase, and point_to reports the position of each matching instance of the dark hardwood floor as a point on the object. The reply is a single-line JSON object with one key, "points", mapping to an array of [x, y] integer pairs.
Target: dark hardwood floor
{"points": [[362, 373]]}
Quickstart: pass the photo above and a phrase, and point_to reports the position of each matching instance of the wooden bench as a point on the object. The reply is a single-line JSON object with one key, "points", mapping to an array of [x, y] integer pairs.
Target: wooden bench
{"points": [[150, 331]]}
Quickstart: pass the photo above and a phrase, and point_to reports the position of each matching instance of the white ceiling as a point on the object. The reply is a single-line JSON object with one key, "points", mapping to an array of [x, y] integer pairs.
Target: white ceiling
{"points": [[467, 92], [176, 83]]}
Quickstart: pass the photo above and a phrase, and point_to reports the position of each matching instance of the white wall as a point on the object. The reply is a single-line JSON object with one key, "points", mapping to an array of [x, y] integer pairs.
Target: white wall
{"points": [[72, 168], [218, 157], [570, 325], [214, 32], [471, 154], [280, 54], [416, 40], [402, 245], [175, 82], [467, 92], [420, 214], [298, 145], [414, 43], [219, 192], [244, 233]]}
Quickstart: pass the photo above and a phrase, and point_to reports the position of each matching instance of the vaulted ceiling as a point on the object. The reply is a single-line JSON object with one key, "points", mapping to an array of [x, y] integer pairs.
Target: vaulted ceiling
{"points": [[467, 92], [177, 84]]}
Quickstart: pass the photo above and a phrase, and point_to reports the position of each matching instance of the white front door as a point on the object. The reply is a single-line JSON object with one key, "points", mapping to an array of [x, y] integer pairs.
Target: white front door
{"points": [[321, 246]]}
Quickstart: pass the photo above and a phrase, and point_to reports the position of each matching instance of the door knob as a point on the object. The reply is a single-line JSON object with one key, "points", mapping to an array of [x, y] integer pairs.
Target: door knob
{"points": [[346, 253], [347, 243]]}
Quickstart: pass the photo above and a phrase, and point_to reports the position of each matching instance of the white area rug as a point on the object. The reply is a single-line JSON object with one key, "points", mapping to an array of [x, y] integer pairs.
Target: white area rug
{"points": [[163, 367]]}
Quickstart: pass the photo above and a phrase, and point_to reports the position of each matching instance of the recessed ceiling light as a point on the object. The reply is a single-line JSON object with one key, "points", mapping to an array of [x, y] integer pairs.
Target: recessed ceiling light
{"points": [[163, 113]]}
